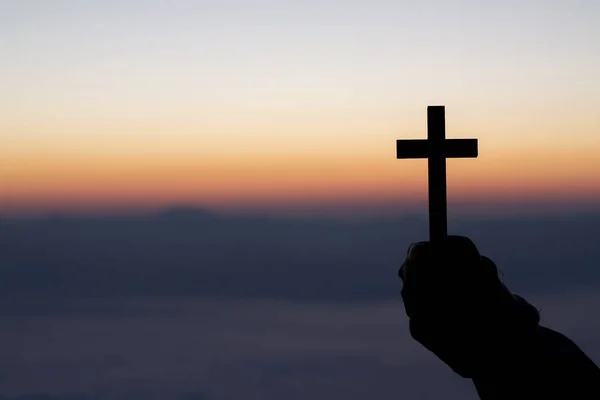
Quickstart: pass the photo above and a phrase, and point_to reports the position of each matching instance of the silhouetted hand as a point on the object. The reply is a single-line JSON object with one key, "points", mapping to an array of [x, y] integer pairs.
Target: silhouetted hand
{"points": [[461, 311], [458, 307]]}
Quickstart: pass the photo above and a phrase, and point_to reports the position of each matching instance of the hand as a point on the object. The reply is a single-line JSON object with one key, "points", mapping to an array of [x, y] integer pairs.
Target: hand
{"points": [[458, 307]]}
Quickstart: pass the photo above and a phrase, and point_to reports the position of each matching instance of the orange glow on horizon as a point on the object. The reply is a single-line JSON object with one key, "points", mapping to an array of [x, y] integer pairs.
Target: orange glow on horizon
{"points": [[99, 181]]}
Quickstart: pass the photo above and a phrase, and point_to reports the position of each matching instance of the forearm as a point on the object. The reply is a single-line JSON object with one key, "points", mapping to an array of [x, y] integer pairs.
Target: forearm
{"points": [[545, 365]]}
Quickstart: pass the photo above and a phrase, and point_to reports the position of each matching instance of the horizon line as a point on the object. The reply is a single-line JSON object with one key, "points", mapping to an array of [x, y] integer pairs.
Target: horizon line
{"points": [[323, 212]]}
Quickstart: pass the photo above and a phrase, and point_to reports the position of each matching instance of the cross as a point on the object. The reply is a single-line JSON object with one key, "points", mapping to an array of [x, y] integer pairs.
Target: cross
{"points": [[436, 148]]}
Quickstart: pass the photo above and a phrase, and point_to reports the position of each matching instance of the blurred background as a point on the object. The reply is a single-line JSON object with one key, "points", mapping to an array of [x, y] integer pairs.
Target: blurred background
{"points": [[200, 199]]}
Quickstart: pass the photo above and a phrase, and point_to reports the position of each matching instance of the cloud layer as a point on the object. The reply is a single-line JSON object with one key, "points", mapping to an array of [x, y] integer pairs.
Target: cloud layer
{"points": [[189, 305]]}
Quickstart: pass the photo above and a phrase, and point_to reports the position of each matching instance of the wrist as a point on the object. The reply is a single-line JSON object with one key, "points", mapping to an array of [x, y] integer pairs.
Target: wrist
{"points": [[505, 353], [495, 343]]}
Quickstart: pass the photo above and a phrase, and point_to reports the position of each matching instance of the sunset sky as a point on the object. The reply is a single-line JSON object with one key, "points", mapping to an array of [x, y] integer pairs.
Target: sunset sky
{"points": [[292, 105]]}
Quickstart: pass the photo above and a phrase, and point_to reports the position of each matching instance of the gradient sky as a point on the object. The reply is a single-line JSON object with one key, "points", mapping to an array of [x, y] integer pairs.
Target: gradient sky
{"points": [[246, 104]]}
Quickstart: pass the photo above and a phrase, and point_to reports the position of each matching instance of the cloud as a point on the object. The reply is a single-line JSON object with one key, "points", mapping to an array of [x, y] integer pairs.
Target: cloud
{"points": [[51, 265], [251, 349], [193, 304], [107, 396], [260, 349]]}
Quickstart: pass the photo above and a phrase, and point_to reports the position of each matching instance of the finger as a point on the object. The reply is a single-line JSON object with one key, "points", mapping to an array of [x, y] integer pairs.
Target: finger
{"points": [[460, 247], [455, 265], [458, 255], [455, 248], [415, 252]]}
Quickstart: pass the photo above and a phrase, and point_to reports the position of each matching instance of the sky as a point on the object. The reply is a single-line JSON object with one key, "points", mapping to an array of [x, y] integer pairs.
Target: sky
{"points": [[293, 105], [278, 105]]}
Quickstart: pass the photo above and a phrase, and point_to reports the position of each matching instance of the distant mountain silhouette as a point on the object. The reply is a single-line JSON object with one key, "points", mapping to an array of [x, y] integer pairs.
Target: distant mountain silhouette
{"points": [[187, 214]]}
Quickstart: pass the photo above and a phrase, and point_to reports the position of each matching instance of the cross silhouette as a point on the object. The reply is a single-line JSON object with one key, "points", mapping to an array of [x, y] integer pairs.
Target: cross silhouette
{"points": [[436, 148]]}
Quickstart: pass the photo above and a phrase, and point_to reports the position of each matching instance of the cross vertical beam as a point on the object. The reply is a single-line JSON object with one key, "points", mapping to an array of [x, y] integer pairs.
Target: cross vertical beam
{"points": [[436, 148], [436, 136]]}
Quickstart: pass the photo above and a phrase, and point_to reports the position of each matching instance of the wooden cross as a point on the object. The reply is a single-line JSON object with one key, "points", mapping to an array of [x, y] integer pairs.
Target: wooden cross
{"points": [[436, 148]]}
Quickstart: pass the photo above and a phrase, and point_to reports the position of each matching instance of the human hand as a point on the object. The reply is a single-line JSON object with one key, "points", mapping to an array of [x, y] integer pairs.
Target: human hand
{"points": [[457, 306]]}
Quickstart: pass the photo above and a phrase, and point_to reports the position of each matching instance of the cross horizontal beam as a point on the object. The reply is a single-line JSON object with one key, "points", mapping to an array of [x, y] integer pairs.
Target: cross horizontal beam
{"points": [[420, 148]]}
